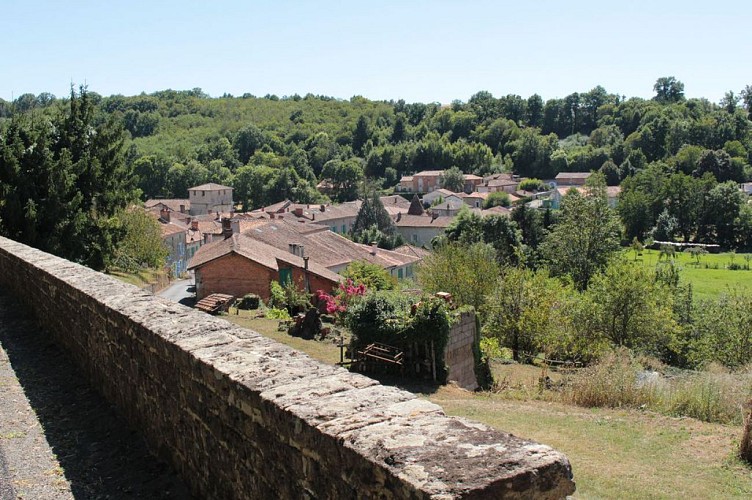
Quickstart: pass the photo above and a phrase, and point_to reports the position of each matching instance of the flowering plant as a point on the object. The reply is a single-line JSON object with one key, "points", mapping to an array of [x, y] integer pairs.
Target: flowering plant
{"points": [[338, 302]]}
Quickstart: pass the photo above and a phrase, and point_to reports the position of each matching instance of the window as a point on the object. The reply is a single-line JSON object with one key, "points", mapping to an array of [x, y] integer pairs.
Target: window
{"points": [[415, 238], [409, 271], [344, 228], [399, 273]]}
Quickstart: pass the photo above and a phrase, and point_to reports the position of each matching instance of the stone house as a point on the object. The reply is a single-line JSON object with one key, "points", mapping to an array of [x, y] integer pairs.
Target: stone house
{"points": [[210, 198]]}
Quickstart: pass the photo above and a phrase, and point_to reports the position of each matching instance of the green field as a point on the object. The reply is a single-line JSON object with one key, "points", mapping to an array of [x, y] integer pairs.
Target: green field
{"points": [[707, 283]]}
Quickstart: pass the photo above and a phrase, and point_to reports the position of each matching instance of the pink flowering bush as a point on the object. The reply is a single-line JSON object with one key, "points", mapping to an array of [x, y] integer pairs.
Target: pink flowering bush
{"points": [[339, 301]]}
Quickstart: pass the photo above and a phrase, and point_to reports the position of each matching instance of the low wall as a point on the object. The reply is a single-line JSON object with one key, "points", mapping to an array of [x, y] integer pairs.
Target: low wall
{"points": [[241, 416], [458, 356]]}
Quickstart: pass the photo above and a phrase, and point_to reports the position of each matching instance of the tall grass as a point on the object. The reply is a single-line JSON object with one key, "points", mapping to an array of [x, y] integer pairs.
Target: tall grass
{"points": [[619, 380], [612, 382]]}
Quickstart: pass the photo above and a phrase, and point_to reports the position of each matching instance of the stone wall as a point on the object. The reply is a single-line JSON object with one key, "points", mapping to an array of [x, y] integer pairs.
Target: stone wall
{"points": [[458, 355], [241, 416]]}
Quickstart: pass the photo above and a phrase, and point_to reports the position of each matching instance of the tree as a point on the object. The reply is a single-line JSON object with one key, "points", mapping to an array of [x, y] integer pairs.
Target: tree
{"points": [[345, 175], [668, 89], [62, 182], [586, 235], [721, 331], [373, 213], [141, 245], [361, 134], [373, 276], [247, 141], [522, 311], [453, 179], [629, 309], [722, 208], [719, 164], [468, 272], [151, 172]]}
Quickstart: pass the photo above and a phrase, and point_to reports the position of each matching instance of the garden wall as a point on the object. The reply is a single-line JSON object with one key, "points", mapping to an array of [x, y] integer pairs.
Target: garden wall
{"points": [[241, 416], [459, 358]]}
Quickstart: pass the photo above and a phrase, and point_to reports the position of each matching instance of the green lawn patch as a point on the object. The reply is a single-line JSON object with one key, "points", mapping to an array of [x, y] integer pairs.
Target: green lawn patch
{"points": [[710, 277]]}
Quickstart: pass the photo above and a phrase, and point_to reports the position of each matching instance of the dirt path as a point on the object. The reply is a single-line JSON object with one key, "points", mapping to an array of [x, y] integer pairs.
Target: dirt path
{"points": [[58, 438]]}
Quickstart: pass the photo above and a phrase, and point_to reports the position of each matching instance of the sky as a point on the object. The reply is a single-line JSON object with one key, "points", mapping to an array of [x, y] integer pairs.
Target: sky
{"points": [[419, 51]]}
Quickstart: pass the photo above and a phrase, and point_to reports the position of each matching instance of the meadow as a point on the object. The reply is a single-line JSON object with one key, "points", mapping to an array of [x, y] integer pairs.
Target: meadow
{"points": [[710, 275]]}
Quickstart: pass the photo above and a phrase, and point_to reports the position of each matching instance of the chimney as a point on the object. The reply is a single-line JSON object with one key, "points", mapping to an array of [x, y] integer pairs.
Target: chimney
{"points": [[226, 228], [235, 224], [374, 247], [164, 214], [313, 215], [322, 208], [434, 215], [298, 211], [271, 215], [208, 238], [399, 216], [194, 225], [217, 217]]}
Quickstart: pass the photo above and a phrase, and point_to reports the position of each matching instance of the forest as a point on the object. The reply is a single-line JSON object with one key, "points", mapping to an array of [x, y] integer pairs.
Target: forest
{"points": [[677, 160]]}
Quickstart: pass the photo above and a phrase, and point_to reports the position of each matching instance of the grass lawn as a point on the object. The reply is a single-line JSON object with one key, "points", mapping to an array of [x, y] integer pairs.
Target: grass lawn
{"points": [[706, 283], [614, 453], [322, 350]]}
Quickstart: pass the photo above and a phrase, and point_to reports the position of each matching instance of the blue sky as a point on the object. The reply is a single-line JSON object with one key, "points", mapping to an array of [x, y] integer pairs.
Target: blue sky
{"points": [[414, 50]]}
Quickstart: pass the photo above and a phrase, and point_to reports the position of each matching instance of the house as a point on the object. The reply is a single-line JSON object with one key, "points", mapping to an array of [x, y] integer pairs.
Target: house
{"points": [[239, 265], [493, 185], [173, 236], [211, 197], [181, 206], [339, 218], [746, 188], [430, 180], [427, 181], [419, 230], [612, 193], [326, 247], [474, 200], [472, 182], [439, 195], [449, 208], [572, 178]]}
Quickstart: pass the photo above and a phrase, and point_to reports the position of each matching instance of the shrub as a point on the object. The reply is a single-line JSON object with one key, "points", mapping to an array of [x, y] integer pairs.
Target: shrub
{"points": [[373, 276], [273, 313], [532, 185], [497, 199], [391, 318], [288, 296], [249, 301], [276, 296]]}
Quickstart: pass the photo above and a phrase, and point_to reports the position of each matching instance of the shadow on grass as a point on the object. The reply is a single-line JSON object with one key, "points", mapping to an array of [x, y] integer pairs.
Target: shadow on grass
{"points": [[100, 455], [416, 386]]}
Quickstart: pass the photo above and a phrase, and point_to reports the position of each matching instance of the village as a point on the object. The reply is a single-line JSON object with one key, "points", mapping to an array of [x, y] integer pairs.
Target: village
{"points": [[235, 253]]}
